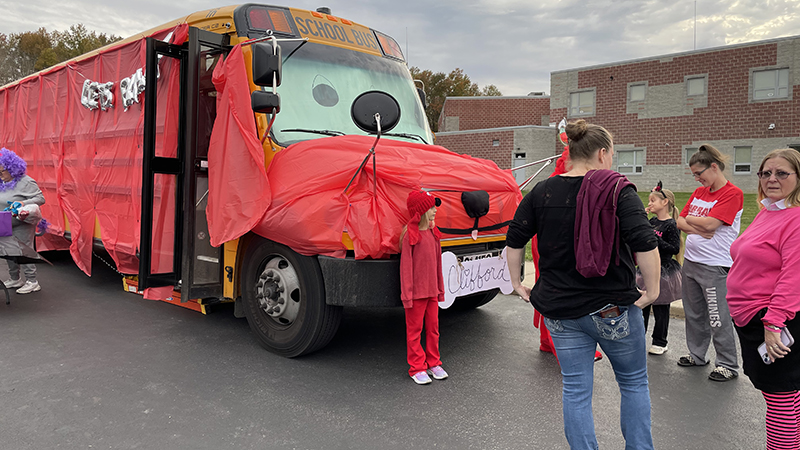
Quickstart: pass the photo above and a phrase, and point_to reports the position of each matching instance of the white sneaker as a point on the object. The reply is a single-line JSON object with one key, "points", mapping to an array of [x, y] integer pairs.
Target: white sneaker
{"points": [[10, 284], [30, 286], [657, 350], [437, 373], [421, 378]]}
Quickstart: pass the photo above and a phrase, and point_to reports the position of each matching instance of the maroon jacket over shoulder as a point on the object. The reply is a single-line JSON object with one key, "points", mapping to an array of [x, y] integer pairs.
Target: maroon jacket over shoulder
{"points": [[596, 219]]}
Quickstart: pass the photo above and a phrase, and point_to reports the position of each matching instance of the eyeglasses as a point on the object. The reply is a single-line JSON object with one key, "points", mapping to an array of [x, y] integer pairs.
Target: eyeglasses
{"points": [[697, 174], [779, 174]]}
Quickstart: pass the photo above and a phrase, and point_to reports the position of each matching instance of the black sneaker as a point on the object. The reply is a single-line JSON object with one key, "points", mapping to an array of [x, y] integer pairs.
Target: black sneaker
{"points": [[722, 374], [688, 361]]}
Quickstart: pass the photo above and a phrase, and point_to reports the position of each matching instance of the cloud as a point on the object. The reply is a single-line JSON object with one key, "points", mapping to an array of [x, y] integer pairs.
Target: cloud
{"points": [[513, 44]]}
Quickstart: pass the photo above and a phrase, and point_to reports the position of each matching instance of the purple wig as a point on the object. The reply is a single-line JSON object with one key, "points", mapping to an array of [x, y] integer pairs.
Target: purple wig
{"points": [[15, 166]]}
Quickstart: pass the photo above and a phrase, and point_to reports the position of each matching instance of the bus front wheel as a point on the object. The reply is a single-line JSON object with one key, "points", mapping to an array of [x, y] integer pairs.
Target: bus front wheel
{"points": [[283, 296]]}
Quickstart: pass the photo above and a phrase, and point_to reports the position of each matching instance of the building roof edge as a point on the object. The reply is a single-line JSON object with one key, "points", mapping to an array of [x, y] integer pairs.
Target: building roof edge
{"points": [[491, 130], [679, 54]]}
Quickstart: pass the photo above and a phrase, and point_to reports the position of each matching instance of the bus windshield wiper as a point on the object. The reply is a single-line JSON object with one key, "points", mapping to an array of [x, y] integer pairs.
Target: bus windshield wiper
{"points": [[406, 135], [306, 130]]}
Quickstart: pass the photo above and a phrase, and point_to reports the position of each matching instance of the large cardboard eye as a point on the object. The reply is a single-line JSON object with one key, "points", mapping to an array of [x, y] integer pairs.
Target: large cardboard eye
{"points": [[323, 91]]}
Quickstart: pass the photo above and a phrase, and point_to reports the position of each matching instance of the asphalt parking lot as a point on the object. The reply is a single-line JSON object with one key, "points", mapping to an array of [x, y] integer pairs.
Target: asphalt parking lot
{"points": [[87, 365]]}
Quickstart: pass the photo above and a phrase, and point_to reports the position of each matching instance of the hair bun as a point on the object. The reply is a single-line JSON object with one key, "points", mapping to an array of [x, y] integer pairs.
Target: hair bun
{"points": [[577, 130]]}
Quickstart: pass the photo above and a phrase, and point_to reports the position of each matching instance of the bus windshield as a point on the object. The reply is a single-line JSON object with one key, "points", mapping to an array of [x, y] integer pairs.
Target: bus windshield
{"points": [[319, 85]]}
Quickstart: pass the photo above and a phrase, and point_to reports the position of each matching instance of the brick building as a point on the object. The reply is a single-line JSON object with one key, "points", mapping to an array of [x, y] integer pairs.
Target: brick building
{"points": [[739, 98], [507, 130]]}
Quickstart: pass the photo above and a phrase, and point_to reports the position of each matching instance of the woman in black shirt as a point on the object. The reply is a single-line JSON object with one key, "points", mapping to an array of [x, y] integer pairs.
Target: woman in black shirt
{"points": [[590, 223]]}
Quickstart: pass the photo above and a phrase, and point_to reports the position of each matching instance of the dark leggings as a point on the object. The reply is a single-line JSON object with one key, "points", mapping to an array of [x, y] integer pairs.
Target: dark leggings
{"points": [[661, 325]]}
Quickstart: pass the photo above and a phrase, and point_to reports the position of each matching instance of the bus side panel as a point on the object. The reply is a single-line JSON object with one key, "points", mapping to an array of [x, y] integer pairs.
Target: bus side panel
{"points": [[88, 161]]}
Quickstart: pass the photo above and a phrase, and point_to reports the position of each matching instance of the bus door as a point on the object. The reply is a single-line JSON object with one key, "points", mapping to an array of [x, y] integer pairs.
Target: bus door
{"points": [[175, 247]]}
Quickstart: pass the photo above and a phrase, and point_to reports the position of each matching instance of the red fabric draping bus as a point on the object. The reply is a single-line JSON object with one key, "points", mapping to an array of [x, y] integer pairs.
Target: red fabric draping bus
{"points": [[88, 162], [309, 209]]}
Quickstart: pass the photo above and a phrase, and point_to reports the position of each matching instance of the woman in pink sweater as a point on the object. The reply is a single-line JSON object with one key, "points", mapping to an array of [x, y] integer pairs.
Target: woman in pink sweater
{"points": [[764, 295]]}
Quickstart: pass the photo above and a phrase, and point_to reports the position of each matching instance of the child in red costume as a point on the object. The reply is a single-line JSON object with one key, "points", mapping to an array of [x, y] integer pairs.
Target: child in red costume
{"points": [[422, 287]]}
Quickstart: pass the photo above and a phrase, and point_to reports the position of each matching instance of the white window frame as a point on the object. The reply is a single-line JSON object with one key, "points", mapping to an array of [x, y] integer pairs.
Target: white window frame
{"points": [[574, 111], [740, 168], [495, 142], [687, 154], [638, 163], [776, 89], [631, 87], [703, 79]]}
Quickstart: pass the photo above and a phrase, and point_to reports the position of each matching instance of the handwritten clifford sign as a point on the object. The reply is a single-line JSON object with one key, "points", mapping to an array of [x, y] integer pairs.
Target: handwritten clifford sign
{"points": [[473, 275]]}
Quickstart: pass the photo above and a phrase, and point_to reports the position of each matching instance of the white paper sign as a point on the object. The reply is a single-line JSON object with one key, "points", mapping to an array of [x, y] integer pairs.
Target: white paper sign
{"points": [[472, 276]]}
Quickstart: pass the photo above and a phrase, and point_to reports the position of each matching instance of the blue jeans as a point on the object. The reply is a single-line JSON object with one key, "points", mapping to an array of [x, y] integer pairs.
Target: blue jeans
{"points": [[623, 341]]}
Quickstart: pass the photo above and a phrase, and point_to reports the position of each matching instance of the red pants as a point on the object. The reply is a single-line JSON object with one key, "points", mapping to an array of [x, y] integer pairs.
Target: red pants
{"points": [[425, 310]]}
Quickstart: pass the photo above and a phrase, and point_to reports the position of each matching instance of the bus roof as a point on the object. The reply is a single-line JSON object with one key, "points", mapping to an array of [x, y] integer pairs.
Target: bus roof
{"points": [[221, 20]]}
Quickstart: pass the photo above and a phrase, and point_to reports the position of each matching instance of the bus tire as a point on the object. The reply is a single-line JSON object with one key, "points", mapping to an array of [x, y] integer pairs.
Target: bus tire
{"points": [[283, 295], [473, 301]]}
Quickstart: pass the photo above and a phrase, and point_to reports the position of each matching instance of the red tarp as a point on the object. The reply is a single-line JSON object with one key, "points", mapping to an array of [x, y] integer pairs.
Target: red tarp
{"points": [[238, 190], [88, 162], [309, 210]]}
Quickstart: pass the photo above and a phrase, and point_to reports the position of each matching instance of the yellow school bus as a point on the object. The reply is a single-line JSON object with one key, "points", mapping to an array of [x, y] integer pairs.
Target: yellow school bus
{"points": [[293, 302]]}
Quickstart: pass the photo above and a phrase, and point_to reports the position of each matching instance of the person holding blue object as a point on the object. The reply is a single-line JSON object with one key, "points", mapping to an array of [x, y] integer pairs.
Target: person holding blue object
{"points": [[17, 186], [590, 223]]}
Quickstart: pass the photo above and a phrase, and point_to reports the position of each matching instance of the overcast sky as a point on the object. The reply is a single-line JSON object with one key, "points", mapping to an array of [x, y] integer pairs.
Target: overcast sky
{"points": [[513, 44]]}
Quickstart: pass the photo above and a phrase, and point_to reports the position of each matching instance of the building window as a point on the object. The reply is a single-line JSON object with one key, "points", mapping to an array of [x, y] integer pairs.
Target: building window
{"points": [[689, 151], [630, 161], [696, 86], [768, 84], [742, 159], [581, 103], [636, 92], [496, 143]]}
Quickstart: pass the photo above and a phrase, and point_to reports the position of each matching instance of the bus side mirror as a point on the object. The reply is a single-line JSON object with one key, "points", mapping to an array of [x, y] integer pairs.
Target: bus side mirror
{"points": [[366, 105], [267, 65], [265, 102], [421, 94]]}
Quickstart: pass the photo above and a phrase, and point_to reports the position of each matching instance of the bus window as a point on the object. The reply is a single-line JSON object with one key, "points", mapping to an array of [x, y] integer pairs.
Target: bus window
{"points": [[320, 83]]}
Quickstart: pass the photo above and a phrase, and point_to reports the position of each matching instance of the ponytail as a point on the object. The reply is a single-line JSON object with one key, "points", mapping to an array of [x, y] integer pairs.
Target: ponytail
{"points": [[708, 154]]}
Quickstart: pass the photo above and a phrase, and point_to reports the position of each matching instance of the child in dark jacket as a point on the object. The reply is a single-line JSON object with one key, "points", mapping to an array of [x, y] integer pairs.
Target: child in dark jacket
{"points": [[662, 204], [422, 287]]}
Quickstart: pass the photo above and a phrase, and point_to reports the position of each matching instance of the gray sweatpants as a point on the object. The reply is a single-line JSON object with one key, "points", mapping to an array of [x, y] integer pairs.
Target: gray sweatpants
{"points": [[24, 232], [707, 314]]}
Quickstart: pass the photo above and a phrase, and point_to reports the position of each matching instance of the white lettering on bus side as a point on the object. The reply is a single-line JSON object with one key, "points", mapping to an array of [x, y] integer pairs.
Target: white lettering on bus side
{"points": [[96, 94]]}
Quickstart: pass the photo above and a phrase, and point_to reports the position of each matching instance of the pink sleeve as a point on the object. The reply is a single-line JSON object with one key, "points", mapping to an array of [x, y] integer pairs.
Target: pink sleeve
{"points": [[785, 300], [406, 271], [728, 206]]}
